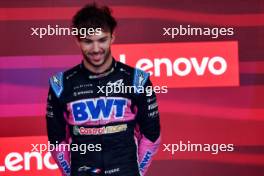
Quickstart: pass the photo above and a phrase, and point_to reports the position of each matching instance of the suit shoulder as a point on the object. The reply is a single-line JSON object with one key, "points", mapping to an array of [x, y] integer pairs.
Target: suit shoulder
{"points": [[57, 81], [125, 67], [72, 72], [139, 76]]}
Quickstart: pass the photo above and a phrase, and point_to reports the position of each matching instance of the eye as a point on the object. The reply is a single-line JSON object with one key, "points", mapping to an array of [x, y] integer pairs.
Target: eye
{"points": [[103, 40], [87, 41]]}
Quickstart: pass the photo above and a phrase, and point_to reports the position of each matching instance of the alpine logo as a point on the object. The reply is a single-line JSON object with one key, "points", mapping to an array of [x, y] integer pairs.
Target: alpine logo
{"points": [[116, 83], [96, 109], [56, 83]]}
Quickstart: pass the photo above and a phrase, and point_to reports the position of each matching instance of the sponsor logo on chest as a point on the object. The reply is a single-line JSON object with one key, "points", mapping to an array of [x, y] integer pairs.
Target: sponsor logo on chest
{"points": [[96, 109]]}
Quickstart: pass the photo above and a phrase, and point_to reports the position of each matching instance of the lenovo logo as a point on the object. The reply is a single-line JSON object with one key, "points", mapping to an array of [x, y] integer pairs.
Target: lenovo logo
{"points": [[17, 157], [16, 161], [182, 66], [196, 64]]}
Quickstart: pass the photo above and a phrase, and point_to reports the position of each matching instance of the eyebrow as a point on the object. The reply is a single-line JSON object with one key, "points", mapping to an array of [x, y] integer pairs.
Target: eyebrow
{"points": [[103, 38]]}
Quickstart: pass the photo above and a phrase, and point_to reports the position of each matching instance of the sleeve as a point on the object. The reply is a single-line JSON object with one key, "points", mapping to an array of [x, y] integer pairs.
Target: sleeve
{"points": [[149, 125], [56, 129]]}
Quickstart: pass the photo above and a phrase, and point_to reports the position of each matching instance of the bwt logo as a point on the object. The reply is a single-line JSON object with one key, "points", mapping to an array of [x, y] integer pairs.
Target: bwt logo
{"points": [[98, 109], [64, 164], [145, 160]]}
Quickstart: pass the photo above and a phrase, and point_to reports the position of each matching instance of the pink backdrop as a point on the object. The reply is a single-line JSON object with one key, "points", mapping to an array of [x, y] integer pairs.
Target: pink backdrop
{"points": [[233, 114]]}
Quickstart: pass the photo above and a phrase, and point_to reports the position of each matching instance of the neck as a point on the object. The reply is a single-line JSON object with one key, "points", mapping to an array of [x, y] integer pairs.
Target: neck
{"points": [[99, 69]]}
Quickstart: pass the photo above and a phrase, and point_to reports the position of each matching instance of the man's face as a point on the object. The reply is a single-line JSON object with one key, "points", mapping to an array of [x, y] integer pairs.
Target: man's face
{"points": [[96, 49]]}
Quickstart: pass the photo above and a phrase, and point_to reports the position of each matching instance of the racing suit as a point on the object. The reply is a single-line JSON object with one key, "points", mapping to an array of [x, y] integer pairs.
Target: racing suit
{"points": [[120, 130]]}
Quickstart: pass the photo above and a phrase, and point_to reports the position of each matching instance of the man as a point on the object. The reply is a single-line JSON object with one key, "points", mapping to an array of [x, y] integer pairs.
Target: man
{"points": [[121, 131]]}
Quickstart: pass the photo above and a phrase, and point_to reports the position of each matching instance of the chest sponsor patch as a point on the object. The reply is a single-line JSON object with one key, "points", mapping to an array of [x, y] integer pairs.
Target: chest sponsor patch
{"points": [[99, 131], [96, 109]]}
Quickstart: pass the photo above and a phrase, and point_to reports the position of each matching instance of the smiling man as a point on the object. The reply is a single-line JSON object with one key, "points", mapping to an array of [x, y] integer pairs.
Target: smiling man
{"points": [[121, 131]]}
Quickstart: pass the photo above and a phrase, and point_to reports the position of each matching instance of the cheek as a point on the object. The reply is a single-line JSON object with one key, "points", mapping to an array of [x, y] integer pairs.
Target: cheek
{"points": [[106, 46], [85, 48]]}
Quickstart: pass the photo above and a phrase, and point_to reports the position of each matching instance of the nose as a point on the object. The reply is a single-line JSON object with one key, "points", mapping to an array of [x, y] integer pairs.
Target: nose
{"points": [[96, 47]]}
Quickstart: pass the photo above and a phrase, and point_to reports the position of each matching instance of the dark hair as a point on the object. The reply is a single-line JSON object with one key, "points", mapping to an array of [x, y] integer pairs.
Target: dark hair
{"points": [[92, 16]]}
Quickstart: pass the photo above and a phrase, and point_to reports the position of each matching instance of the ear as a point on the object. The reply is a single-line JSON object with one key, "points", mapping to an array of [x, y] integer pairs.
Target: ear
{"points": [[113, 37]]}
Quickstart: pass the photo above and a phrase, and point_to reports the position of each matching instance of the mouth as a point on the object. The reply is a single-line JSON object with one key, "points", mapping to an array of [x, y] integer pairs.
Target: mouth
{"points": [[96, 57]]}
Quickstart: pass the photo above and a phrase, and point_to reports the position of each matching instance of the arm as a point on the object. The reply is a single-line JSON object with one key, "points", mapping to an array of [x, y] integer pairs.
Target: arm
{"points": [[149, 126], [56, 127]]}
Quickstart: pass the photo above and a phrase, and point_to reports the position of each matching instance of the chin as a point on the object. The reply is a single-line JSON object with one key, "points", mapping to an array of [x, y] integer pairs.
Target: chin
{"points": [[98, 64]]}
